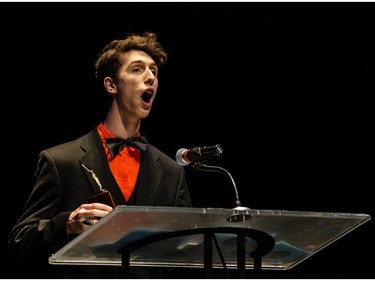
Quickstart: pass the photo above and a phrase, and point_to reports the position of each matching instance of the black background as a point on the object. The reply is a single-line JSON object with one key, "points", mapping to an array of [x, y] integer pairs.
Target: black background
{"points": [[285, 88]]}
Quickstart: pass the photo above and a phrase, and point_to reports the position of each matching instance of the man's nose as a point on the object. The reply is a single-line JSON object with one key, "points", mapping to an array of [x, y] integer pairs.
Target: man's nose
{"points": [[150, 78]]}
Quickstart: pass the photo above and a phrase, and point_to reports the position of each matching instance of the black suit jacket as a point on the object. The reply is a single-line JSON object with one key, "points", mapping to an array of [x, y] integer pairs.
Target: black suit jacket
{"points": [[62, 184]]}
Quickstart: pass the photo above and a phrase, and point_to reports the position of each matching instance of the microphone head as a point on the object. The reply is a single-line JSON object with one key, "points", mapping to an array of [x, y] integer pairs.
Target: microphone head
{"points": [[180, 157]]}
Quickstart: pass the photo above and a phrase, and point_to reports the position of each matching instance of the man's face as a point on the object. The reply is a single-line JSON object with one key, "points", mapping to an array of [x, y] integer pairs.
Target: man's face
{"points": [[137, 84]]}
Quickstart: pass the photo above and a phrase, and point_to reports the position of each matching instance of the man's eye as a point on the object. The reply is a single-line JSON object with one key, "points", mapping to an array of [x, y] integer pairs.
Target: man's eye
{"points": [[137, 69]]}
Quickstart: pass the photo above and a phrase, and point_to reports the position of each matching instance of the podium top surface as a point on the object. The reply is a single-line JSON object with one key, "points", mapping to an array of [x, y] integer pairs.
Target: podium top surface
{"points": [[298, 235]]}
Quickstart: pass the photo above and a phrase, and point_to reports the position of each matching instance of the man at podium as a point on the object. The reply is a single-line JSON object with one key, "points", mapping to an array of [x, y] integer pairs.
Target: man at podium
{"points": [[78, 182]]}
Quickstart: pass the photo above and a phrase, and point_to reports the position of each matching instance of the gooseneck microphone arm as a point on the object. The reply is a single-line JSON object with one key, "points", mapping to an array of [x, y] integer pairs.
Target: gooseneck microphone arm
{"points": [[199, 166], [197, 156], [240, 214]]}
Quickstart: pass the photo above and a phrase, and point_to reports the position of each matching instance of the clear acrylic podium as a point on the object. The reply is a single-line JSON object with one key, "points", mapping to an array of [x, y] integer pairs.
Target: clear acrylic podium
{"points": [[288, 238]]}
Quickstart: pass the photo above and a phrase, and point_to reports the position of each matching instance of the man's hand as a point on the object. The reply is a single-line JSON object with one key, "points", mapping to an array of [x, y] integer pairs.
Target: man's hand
{"points": [[86, 215]]}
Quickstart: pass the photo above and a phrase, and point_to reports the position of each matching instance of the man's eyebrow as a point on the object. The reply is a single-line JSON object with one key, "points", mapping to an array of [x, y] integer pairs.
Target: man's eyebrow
{"points": [[142, 61]]}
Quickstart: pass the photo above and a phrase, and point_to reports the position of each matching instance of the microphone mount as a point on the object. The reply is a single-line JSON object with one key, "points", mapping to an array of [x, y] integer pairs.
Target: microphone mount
{"points": [[240, 213]]}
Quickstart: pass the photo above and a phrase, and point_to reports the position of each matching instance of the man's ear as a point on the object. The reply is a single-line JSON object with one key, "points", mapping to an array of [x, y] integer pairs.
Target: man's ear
{"points": [[110, 86]]}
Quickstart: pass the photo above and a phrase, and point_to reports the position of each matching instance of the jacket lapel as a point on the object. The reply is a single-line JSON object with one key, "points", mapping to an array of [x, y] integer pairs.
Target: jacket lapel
{"points": [[148, 178], [96, 160]]}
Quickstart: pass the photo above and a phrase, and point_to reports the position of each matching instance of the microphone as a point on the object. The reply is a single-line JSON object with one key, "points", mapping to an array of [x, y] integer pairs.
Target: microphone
{"points": [[197, 154]]}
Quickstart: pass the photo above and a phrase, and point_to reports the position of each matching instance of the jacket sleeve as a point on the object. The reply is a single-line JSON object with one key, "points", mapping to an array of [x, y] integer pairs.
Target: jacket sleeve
{"points": [[41, 229]]}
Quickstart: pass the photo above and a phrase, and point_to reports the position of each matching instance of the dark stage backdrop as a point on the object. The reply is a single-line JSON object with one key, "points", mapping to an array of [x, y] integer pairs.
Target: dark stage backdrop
{"points": [[285, 88]]}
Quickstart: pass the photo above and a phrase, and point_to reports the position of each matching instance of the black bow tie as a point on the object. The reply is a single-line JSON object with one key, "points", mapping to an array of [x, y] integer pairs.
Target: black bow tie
{"points": [[115, 145]]}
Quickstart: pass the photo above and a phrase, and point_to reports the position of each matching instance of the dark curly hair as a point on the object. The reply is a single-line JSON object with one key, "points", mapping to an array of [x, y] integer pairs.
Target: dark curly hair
{"points": [[109, 61]]}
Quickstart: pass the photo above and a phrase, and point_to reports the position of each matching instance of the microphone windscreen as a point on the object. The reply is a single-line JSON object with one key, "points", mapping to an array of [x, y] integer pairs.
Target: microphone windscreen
{"points": [[180, 157]]}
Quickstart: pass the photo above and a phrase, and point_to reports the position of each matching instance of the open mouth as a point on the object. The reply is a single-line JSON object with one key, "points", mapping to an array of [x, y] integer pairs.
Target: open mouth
{"points": [[146, 97]]}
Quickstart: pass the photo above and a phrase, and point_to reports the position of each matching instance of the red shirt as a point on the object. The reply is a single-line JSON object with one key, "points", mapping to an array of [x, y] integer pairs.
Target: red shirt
{"points": [[124, 166]]}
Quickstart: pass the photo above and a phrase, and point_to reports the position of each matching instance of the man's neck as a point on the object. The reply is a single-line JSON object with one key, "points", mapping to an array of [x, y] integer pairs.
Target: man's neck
{"points": [[121, 127]]}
